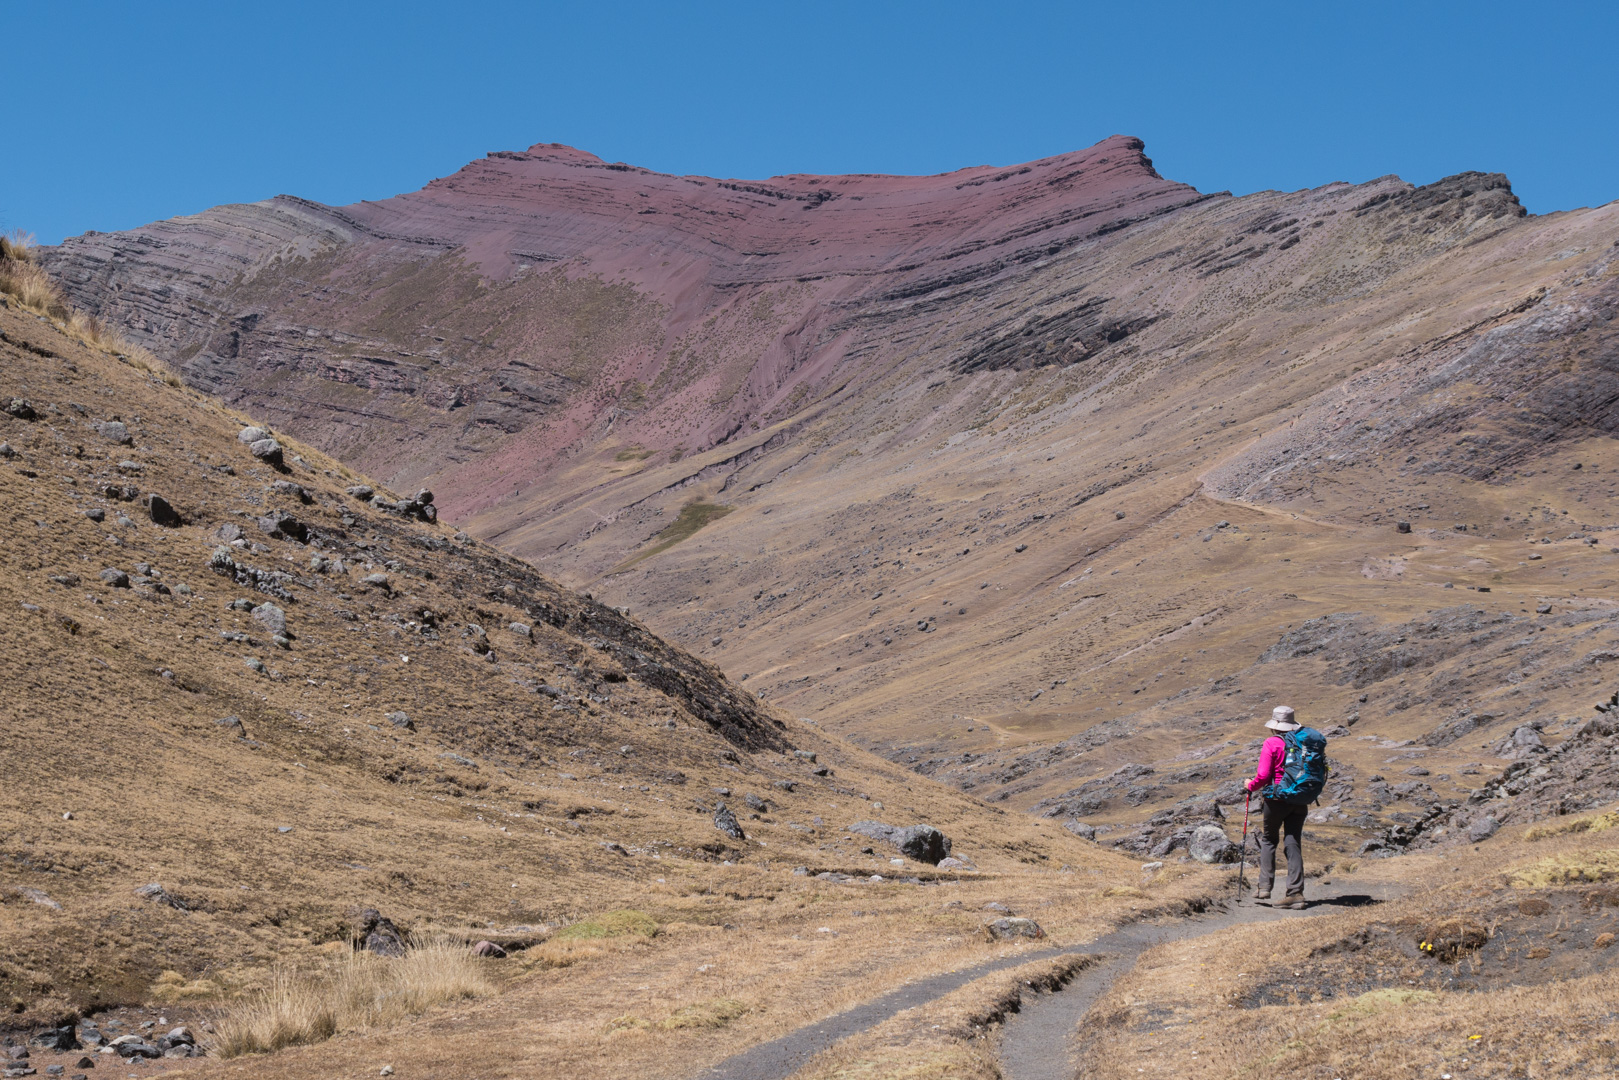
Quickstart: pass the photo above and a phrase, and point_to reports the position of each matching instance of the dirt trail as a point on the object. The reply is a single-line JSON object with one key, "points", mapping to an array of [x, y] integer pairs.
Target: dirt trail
{"points": [[1035, 1043]]}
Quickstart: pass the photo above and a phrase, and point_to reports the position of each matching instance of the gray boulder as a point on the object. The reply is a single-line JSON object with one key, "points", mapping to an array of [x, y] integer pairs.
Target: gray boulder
{"points": [[1482, 829], [726, 822], [296, 491], [157, 894], [272, 617], [1083, 830], [251, 435], [1524, 741], [402, 721], [114, 431], [1014, 929], [283, 526], [1209, 844], [115, 578], [267, 451]]}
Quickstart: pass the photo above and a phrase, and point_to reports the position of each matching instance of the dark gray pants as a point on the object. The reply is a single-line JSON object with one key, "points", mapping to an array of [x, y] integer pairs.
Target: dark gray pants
{"points": [[1286, 819]]}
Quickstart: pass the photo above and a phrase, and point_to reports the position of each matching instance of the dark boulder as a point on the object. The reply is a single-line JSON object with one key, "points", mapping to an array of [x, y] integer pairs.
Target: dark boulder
{"points": [[163, 512], [923, 843], [375, 932]]}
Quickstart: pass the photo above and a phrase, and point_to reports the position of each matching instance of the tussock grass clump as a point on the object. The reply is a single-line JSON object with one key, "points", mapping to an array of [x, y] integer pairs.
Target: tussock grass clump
{"points": [[611, 924], [1598, 823], [22, 278], [705, 1014], [1571, 868], [702, 1015], [171, 986], [1376, 1001], [361, 991]]}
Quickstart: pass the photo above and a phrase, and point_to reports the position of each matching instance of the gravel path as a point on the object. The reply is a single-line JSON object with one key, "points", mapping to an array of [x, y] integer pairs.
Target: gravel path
{"points": [[1034, 1045], [785, 1055], [1037, 1042]]}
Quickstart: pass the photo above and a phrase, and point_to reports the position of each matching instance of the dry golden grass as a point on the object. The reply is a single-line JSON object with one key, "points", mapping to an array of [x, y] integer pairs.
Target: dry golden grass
{"points": [[22, 278], [611, 924], [1594, 823], [1567, 869], [361, 991]]}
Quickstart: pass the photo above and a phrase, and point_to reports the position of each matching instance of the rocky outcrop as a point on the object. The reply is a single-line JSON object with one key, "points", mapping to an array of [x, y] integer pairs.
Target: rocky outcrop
{"points": [[1579, 774]]}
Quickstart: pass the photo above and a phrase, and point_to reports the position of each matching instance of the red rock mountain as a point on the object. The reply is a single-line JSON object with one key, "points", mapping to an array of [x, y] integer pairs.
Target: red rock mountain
{"points": [[551, 289], [1021, 475]]}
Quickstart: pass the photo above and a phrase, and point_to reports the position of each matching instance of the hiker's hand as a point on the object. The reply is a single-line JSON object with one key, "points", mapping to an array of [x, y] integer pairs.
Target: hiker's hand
{"points": [[1249, 784]]}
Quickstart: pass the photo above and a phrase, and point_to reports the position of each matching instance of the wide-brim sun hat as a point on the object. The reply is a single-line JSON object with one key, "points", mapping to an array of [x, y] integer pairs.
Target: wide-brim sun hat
{"points": [[1281, 719]]}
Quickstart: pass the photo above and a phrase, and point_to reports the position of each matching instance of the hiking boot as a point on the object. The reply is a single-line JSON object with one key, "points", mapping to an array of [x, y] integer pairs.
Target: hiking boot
{"points": [[1262, 894], [1292, 900]]}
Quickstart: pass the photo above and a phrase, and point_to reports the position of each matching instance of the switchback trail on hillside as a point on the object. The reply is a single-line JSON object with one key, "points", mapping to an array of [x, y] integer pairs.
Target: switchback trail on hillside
{"points": [[1034, 1044]]}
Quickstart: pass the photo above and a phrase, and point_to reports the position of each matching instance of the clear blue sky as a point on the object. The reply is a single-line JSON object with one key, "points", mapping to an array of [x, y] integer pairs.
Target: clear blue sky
{"points": [[120, 113]]}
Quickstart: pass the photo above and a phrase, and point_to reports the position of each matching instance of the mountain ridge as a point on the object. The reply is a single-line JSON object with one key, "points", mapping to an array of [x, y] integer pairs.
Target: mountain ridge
{"points": [[975, 410]]}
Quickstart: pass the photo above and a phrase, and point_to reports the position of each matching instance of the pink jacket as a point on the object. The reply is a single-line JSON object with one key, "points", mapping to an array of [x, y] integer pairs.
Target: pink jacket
{"points": [[1272, 755]]}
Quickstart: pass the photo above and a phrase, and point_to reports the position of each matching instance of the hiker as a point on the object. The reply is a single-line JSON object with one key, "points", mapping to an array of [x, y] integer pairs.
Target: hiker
{"points": [[1292, 770]]}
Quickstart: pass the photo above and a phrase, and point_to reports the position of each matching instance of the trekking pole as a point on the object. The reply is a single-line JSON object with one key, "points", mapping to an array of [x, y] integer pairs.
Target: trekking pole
{"points": [[1242, 859]]}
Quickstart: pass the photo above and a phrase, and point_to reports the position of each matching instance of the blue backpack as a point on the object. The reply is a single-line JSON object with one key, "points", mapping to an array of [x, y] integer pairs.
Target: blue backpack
{"points": [[1304, 770]]}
